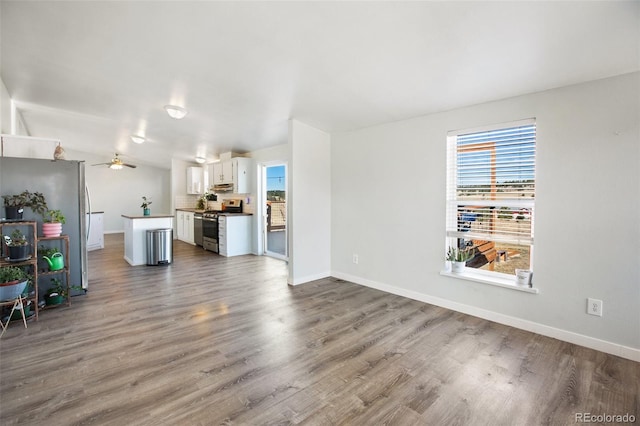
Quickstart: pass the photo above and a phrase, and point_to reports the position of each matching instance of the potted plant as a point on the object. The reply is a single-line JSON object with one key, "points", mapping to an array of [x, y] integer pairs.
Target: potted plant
{"points": [[53, 220], [14, 204], [458, 258], [17, 245], [13, 281], [145, 206], [57, 293], [202, 202]]}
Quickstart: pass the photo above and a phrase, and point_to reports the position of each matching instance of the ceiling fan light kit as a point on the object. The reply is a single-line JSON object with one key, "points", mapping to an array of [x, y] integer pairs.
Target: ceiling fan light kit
{"points": [[175, 111], [200, 160], [115, 164]]}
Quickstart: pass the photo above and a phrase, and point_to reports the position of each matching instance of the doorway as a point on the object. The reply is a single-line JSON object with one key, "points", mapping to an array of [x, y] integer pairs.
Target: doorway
{"points": [[275, 210]]}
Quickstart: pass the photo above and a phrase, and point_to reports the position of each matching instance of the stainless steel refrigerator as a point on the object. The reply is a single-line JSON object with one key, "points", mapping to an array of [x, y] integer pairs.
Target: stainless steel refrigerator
{"points": [[63, 184]]}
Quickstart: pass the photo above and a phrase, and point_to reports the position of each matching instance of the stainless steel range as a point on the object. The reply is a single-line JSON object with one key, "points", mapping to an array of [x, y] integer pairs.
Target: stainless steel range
{"points": [[210, 223], [210, 231]]}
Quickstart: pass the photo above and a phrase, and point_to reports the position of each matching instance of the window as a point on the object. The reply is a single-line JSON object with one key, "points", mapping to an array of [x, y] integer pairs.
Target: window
{"points": [[491, 195]]}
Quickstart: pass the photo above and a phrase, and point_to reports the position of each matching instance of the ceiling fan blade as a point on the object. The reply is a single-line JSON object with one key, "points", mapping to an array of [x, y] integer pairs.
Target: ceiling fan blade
{"points": [[115, 162]]}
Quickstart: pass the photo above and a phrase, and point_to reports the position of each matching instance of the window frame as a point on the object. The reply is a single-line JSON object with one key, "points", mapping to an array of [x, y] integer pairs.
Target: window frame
{"points": [[453, 204]]}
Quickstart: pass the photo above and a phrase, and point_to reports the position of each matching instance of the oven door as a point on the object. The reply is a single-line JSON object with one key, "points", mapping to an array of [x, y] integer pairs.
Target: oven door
{"points": [[210, 233]]}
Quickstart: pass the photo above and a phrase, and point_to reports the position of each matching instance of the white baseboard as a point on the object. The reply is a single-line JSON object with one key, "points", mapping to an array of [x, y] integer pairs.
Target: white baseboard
{"points": [[545, 330], [308, 278]]}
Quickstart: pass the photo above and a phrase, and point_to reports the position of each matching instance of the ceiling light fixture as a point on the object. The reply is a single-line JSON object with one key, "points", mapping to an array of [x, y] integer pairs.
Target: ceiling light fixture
{"points": [[175, 111], [200, 160], [138, 138], [115, 166]]}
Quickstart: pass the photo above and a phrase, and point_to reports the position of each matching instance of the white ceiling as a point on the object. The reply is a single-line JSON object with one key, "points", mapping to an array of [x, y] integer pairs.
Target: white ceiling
{"points": [[93, 73]]}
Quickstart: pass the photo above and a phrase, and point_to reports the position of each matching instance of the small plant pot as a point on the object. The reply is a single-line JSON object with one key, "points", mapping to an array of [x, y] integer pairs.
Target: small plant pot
{"points": [[457, 267], [146, 212], [54, 300], [16, 314], [52, 229], [13, 212], [523, 277], [18, 252]]}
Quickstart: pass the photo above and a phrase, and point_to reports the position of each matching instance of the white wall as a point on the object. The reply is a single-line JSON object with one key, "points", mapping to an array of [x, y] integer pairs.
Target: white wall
{"points": [[587, 226], [5, 115], [118, 192], [309, 206], [5, 109]]}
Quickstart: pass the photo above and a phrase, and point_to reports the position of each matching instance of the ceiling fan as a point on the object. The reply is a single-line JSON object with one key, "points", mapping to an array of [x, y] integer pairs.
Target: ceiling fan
{"points": [[115, 163]]}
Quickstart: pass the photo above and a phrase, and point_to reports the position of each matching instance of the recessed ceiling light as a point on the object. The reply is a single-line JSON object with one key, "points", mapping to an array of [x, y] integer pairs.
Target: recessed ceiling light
{"points": [[137, 138], [200, 160], [175, 111]]}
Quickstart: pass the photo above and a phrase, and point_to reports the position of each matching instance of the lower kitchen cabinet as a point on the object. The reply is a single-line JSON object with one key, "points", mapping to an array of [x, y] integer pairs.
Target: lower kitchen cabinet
{"points": [[184, 226], [95, 226], [234, 235]]}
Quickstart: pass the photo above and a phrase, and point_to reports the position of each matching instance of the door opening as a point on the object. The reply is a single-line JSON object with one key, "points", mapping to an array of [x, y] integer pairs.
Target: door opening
{"points": [[275, 210]]}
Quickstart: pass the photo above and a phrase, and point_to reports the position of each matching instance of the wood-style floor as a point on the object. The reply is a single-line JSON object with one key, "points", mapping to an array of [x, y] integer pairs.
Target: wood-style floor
{"points": [[210, 340]]}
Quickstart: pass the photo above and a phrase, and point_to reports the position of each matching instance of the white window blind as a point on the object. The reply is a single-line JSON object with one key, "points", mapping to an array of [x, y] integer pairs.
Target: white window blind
{"points": [[491, 183]]}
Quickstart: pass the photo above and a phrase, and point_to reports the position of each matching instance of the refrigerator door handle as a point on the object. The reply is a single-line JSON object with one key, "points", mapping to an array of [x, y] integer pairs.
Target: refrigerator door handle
{"points": [[86, 190]]}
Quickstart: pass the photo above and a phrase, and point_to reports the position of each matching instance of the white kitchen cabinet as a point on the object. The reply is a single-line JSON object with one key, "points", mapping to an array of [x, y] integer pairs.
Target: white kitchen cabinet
{"points": [[242, 175], [180, 224], [211, 174], [195, 180], [237, 171], [223, 172], [188, 228], [184, 226], [95, 228], [234, 235]]}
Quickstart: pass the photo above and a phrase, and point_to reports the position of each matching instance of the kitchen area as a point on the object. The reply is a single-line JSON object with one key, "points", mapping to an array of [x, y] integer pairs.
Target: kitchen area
{"points": [[216, 213], [213, 209]]}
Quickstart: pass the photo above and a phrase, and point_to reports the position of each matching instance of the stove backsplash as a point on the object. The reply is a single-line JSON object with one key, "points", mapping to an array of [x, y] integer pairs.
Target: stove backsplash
{"points": [[247, 207]]}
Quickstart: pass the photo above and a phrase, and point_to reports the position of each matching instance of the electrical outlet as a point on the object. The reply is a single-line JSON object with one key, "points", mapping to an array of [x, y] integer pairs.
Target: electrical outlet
{"points": [[594, 307], [355, 258]]}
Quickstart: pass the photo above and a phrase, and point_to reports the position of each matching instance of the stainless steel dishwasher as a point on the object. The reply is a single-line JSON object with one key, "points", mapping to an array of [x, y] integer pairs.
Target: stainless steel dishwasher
{"points": [[197, 228]]}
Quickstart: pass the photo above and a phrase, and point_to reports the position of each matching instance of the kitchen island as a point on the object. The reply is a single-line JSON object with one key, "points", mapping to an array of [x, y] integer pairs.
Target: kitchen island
{"points": [[135, 232]]}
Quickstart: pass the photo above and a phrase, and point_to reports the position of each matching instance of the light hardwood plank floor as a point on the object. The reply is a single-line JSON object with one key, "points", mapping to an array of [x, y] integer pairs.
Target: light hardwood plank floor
{"points": [[212, 340]]}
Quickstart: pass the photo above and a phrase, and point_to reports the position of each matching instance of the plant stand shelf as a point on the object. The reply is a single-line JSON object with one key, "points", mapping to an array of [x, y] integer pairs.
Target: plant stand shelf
{"points": [[64, 271], [31, 263]]}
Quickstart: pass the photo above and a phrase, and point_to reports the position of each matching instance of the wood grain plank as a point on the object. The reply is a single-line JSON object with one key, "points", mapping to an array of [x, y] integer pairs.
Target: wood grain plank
{"points": [[213, 340]]}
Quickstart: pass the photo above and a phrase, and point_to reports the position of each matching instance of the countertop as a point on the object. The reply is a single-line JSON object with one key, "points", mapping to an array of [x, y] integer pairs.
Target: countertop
{"points": [[221, 213], [152, 216]]}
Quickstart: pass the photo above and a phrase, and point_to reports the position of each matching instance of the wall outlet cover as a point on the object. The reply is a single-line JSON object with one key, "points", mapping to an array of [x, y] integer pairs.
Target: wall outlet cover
{"points": [[594, 307]]}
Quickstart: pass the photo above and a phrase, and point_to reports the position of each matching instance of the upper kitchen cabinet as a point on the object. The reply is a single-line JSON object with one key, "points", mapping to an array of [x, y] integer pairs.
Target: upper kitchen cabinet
{"points": [[232, 175], [222, 172], [195, 180], [242, 175]]}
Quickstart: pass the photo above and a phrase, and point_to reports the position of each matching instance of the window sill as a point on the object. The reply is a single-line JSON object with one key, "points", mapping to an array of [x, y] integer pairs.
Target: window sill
{"points": [[493, 278]]}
